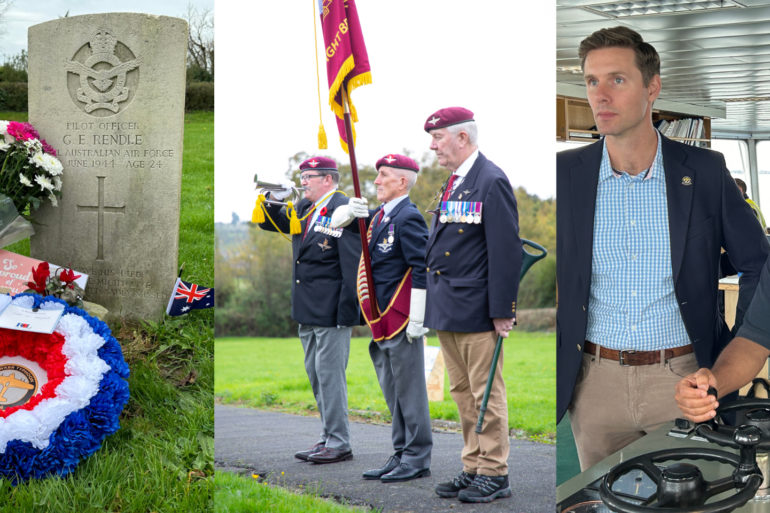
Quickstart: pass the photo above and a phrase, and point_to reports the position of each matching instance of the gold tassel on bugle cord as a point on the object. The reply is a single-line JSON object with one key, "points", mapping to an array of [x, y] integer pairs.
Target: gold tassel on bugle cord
{"points": [[258, 215], [295, 228]]}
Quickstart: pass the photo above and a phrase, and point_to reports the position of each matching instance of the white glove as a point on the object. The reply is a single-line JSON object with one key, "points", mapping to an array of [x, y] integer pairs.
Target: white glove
{"points": [[344, 214], [280, 194], [415, 328]]}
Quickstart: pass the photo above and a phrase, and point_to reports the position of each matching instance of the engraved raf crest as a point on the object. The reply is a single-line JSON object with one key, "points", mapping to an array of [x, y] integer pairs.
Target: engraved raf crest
{"points": [[105, 74], [325, 245]]}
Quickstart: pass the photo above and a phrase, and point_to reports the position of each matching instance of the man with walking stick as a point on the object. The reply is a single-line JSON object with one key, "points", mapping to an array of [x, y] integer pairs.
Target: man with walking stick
{"points": [[473, 258]]}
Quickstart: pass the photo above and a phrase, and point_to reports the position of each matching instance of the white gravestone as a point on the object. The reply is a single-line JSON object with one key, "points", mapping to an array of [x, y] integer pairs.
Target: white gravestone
{"points": [[107, 91]]}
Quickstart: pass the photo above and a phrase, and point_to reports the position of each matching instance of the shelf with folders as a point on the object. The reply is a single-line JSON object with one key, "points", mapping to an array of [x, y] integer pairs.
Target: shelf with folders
{"points": [[575, 122]]}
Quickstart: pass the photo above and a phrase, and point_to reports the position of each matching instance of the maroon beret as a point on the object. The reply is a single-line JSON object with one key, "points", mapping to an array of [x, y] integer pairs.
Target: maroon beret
{"points": [[318, 164], [448, 116], [398, 161]]}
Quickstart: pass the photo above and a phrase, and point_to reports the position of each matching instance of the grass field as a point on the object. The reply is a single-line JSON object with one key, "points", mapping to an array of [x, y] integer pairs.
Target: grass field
{"points": [[269, 373], [161, 460], [237, 494]]}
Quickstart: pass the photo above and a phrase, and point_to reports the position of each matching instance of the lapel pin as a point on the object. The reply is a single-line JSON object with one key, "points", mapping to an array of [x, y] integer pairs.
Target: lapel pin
{"points": [[686, 180]]}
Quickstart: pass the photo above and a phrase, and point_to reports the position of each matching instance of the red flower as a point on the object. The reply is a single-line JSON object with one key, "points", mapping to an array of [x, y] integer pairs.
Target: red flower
{"points": [[68, 276], [40, 276], [322, 212]]}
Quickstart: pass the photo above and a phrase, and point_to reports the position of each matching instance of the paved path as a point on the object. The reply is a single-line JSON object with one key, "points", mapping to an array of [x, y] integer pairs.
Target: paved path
{"points": [[254, 441]]}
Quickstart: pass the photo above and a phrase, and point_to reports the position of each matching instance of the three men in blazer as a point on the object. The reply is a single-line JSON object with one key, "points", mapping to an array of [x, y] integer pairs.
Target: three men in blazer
{"points": [[323, 300], [640, 223]]}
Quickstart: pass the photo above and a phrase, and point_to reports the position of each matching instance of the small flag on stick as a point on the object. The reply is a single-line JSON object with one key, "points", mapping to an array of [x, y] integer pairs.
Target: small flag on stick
{"points": [[347, 64], [189, 296]]}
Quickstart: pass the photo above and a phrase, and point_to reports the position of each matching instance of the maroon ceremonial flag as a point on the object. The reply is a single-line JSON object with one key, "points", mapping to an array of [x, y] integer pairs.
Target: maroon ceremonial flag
{"points": [[347, 65]]}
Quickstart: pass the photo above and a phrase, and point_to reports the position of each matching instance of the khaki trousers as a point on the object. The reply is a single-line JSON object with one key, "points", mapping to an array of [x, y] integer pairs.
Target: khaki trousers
{"points": [[468, 357], [614, 405]]}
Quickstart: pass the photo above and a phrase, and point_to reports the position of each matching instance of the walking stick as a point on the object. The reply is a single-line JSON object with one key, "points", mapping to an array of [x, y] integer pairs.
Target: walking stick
{"points": [[527, 260]]}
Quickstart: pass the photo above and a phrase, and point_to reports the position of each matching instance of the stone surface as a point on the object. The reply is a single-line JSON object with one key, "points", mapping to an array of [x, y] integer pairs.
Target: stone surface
{"points": [[107, 92]]}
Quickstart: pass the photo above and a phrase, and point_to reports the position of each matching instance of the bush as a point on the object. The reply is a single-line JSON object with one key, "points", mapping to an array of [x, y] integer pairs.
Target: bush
{"points": [[538, 288], [13, 96], [199, 96]]}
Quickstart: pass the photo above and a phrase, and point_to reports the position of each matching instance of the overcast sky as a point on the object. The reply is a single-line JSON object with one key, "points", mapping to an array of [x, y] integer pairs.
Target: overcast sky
{"points": [[491, 56], [23, 14]]}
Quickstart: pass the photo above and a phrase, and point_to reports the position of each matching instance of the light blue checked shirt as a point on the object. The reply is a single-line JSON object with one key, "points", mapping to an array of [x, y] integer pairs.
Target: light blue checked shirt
{"points": [[632, 304]]}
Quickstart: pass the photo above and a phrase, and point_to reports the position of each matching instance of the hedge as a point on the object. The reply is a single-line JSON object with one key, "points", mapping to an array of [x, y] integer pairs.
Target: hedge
{"points": [[198, 96], [13, 96]]}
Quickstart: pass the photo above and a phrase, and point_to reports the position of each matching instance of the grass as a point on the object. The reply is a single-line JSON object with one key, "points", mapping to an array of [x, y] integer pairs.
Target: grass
{"points": [[237, 494], [161, 460], [268, 373]]}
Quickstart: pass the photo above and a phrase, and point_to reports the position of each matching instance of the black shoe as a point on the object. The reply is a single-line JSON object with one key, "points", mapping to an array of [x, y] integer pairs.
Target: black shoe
{"points": [[329, 455], [303, 455], [404, 472], [376, 473], [486, 489], [453, 487]]}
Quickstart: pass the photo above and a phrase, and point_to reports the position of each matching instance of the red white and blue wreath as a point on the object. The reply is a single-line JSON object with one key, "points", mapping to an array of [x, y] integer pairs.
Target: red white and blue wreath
{"points": [[60, 394]]}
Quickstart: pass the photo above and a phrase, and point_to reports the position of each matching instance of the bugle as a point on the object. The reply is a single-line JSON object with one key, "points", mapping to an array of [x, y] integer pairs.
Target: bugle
{"points": [[295, 196]]}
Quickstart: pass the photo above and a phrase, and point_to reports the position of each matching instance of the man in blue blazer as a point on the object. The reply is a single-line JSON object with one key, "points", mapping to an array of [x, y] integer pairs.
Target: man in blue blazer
{"points": [[323, 299], [640, 223], [473, 259], [397, 235]]}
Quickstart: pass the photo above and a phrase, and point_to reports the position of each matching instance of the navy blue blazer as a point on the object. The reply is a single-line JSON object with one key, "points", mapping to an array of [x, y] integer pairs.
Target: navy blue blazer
{"points": [[390, 261], [705, 212], [323, 282], [473, 269]]}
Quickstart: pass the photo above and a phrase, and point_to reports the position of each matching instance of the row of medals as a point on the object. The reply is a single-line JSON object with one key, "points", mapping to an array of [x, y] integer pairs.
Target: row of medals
{"points": [[465, 217]]}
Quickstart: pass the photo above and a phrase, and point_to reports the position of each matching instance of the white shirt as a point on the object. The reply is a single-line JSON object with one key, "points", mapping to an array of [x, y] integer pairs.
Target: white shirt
{"points": [[463, 169], [388, 207]]}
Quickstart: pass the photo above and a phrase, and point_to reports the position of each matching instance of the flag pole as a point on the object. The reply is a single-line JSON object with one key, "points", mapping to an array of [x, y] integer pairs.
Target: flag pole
{"points": [[357, 191]]}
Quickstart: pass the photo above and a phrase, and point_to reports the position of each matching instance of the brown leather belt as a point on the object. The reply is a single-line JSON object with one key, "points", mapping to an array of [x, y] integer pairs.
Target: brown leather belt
{"points": [[626, 357]]}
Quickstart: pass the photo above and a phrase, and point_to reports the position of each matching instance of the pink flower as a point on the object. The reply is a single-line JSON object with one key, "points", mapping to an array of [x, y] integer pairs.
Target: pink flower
{"points": [[47, 148], [22, 131]]}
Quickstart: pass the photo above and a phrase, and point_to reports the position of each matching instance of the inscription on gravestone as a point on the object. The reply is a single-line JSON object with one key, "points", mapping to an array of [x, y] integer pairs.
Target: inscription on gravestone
{"points": [[107, 91]]}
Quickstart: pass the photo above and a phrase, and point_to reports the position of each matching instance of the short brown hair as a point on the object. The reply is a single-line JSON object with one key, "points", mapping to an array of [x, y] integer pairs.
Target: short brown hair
{"points": [[647, 58]]}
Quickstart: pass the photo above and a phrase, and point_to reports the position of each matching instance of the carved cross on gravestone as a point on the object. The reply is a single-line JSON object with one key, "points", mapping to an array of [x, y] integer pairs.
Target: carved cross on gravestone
{"points": [[100, 208]]}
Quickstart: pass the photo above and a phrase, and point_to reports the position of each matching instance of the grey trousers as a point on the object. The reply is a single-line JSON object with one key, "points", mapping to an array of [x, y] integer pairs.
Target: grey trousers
{"points": [[326, 358], [400, 370]]}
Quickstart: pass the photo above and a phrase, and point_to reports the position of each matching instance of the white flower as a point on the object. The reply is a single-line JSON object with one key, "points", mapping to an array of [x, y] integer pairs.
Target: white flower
{"points": [[4, 145], [54, 202], [44, 182], [49, 163], [56, 183], [24, 180], [33, 145], [4, 127]]}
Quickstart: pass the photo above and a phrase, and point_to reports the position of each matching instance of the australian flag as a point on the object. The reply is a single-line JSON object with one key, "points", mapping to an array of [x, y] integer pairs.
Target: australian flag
{"points": [[189, 296]]}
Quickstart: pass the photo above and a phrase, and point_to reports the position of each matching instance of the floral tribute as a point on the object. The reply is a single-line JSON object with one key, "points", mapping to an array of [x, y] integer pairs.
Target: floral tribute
{"points": [[30, 171], [61, 284], [78, 406]]}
